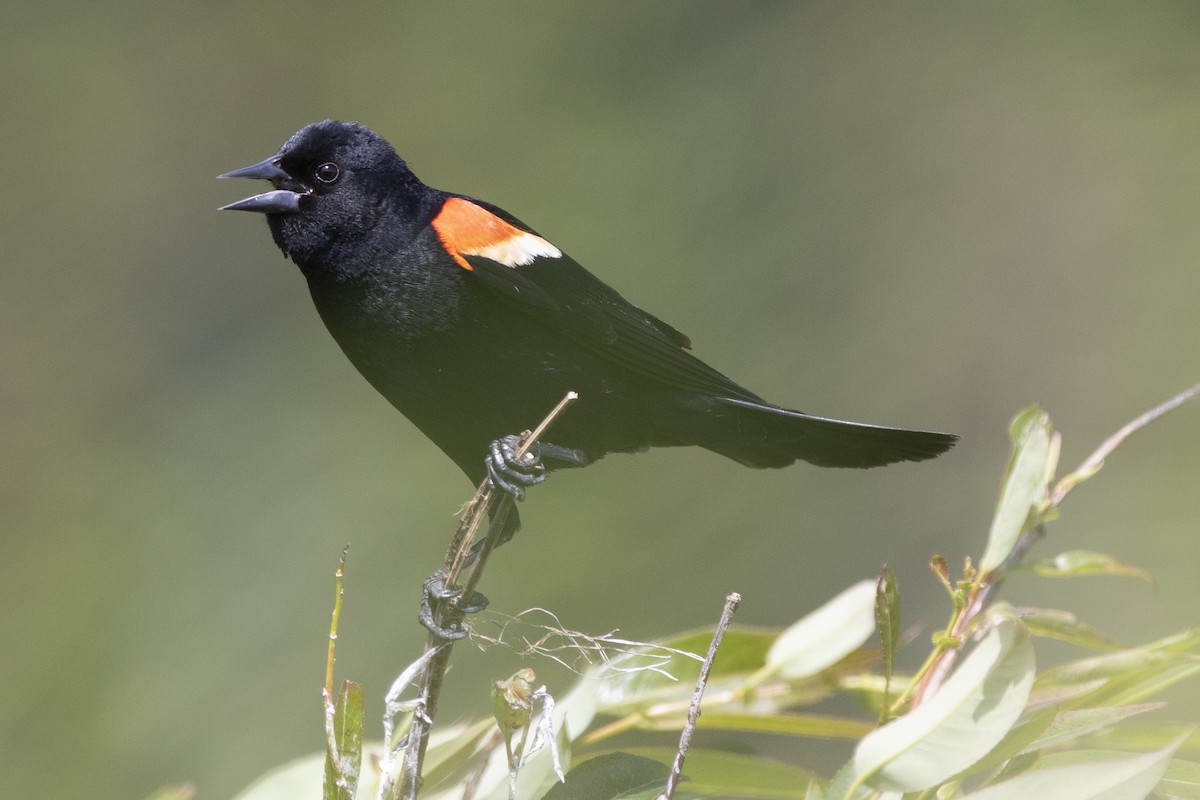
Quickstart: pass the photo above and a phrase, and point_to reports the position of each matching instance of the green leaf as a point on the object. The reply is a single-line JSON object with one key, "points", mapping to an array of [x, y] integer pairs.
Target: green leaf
{"points": [[1181, 780], [1065, 627], [575, 712], [1075, 563], [342, 767], [610, 776], [1029, 471], [843, 786], [654, 674], [969, 715], [1062, 695], [1107, 665], [827, 635], [720, 773], [887, 620], [1129, 689], [1027, 728], [450, 745], [1186, 641], [1127, 676], [1085, 775], [1071, 725], [1152, 736], [299, 779], [182, 792], [788, 724]]}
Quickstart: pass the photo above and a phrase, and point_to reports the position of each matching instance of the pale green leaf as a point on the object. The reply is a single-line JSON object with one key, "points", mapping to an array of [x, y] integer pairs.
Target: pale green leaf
{"points": [[1153, 736], [301, 779], [1029, 471], [659, 673], [1066, 627], [1055, 695], [449, 745], [343, 755], [1070, 725], [827, 635], [969, 715], [719, 773], [1186, 641], [1127, 690], [843, 786], [788, 724], [1086, 775], [1075, 563], [1128, 676], [887, 620], [1181, 780], [1027, 728], [1160, 653], [183, 792], [610, 776]]}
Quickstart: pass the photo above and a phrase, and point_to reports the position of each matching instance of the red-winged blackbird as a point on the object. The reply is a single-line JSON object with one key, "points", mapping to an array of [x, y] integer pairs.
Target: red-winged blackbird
{"points": [[473, 326]]}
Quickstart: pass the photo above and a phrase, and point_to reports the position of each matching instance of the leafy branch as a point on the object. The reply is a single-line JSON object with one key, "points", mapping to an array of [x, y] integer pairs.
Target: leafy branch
{"points": [[1027, 503], [978, 721]]}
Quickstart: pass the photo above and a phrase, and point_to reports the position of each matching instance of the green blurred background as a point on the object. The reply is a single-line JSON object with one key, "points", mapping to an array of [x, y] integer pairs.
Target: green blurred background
{"points": [[924, 215]]}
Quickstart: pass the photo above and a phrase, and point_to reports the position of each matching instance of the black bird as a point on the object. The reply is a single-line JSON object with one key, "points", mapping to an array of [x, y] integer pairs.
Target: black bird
{"points": [[473, 325]]}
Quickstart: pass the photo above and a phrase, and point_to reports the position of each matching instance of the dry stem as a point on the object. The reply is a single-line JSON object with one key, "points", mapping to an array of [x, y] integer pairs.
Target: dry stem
{"points": [[447, 613]]}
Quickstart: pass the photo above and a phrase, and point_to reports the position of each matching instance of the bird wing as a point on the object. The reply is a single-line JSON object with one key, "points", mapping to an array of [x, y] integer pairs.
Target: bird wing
{"points": [[512, 260]]}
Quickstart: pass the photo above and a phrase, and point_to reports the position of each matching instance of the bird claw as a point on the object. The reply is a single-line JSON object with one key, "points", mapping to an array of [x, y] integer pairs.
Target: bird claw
{"points": [[436, 591], [509, 473]]}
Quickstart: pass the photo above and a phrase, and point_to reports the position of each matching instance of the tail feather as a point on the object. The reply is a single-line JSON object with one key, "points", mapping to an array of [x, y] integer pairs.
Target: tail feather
{"points": [[763, 435]]}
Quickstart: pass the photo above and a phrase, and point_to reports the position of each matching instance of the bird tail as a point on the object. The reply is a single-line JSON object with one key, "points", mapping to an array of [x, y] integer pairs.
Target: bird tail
{"points": [[763, 435]]}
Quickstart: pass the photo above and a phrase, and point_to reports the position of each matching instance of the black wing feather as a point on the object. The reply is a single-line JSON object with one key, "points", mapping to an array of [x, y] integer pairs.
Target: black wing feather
{"points": [[577, 305]]}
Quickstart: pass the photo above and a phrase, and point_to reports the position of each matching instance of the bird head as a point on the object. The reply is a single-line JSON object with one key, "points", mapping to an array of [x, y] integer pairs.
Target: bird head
{"points": [[332, 181]]}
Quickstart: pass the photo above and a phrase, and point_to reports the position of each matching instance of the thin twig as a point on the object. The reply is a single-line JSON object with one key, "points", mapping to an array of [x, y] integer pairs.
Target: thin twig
{"points": [[505, 500], [982, 594], [685, 737], [1096, 459], [448, 613]]}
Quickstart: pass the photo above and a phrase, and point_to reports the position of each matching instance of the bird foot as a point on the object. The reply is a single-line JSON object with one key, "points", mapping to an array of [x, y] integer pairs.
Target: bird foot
{"points": [[512, 474], [437, 592]]}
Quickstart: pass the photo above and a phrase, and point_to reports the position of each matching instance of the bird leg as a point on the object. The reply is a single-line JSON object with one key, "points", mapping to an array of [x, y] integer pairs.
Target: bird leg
{"points": [[436, 591], [509, 473]]}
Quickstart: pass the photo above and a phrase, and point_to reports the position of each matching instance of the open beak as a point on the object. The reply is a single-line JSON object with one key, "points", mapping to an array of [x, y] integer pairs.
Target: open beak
{"points": [[284, 200]]}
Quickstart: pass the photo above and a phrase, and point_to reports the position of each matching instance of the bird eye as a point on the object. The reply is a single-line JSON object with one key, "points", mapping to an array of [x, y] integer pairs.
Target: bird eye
{"points": [[327, 172]]}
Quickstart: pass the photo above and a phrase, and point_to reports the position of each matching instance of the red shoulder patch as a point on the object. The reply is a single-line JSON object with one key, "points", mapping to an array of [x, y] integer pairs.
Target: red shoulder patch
{"points": [[466, 229]]}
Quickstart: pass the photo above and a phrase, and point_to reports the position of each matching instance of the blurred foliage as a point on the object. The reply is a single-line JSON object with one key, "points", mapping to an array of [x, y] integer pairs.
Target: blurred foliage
{"points": [[923, 215], [993, 726]]}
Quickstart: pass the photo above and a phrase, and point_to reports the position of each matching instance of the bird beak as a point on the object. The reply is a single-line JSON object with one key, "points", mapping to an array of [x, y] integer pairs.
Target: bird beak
{"points": [[284, 200]]}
